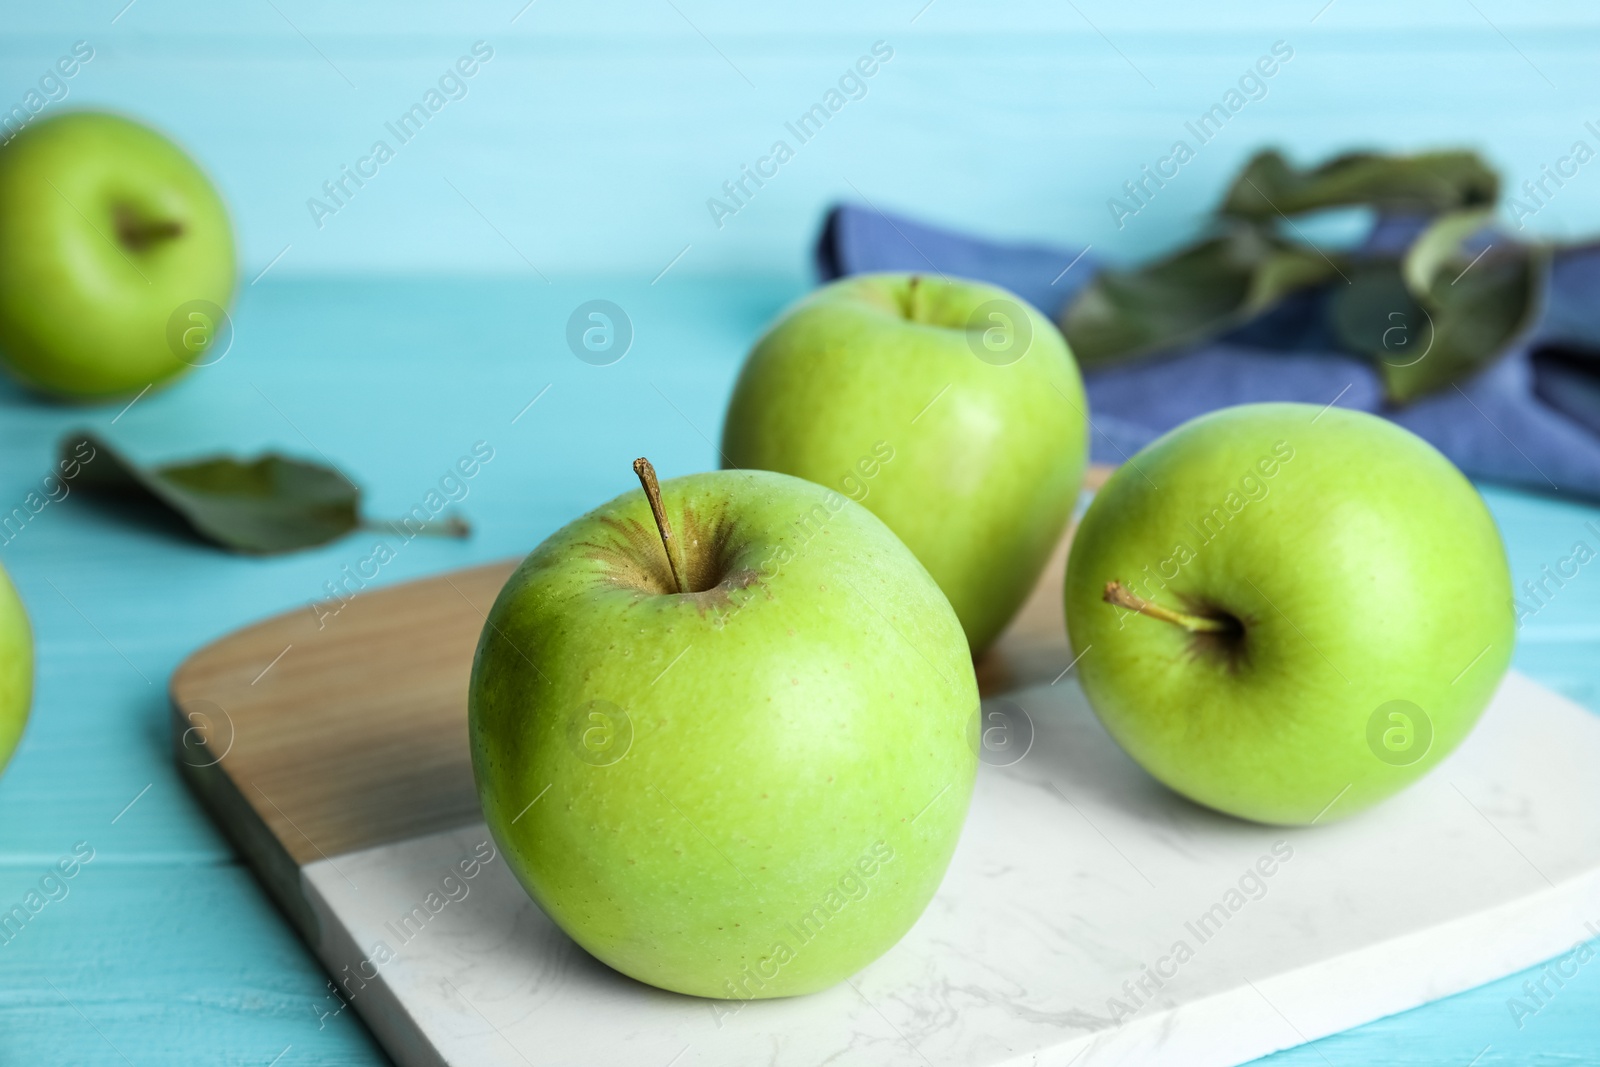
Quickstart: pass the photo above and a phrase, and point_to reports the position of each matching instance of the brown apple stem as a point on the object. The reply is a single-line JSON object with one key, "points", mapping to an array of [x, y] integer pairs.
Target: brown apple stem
{"points": [[912, 292], [1195, 624], [652, 493], [139, 234]]}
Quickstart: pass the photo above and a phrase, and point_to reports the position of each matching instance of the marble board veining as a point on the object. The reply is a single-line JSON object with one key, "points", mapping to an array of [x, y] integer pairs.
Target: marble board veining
{"points": [[1089, 917]]}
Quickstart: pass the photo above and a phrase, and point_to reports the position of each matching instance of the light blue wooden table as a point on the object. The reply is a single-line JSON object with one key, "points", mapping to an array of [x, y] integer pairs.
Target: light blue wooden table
{"points": [[417, 320]]}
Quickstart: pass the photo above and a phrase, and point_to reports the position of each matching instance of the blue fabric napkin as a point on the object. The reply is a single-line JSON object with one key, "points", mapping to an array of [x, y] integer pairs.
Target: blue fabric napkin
{"points": [[1531, 419]]}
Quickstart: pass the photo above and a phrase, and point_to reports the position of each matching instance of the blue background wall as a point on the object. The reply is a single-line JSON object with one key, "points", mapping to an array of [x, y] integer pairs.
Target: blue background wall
{"points": [[594, 137]]}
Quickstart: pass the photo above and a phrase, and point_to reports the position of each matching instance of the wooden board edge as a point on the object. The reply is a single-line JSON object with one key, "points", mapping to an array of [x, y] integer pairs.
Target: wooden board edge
{"points": [[203, 736], [219, 795], [197, 659]]}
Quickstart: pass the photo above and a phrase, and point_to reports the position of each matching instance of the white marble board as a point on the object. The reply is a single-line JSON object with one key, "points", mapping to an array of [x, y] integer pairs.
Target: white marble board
{"points": [[1076, 878]]}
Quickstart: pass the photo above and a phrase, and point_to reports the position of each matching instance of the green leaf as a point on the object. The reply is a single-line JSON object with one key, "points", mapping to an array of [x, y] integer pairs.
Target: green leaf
{"points": [[1194, 294], [1438, 246], [1427, 318], [1466, 317], [1377, 316], [1269, 186], [265, 505]]}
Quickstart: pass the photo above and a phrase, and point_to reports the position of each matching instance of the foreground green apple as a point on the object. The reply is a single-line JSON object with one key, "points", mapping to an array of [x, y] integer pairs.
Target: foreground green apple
{"points": [[951, 409], [750, 788], [116, 257], [1311, 608], [16, 668]]}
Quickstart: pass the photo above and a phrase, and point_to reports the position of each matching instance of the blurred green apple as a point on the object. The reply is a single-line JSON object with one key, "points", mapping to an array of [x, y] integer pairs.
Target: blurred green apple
{"points": [[16, 668], [1289, 613], [951, 409], [116, 258], [737, 770]]}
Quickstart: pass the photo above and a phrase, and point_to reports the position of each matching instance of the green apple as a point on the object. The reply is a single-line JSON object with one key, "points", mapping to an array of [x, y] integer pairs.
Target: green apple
{"points": [[16, 668], [116, 258], [747, 788], [1288, 613], [951, 409]]}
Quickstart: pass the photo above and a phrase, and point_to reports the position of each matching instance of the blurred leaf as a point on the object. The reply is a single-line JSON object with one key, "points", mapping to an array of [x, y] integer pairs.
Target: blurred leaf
{"points": [[1423, 341], [1377, 316], [266, 505], [1197, 293], [1438, 246], [1269, 186], [1440, 312]]}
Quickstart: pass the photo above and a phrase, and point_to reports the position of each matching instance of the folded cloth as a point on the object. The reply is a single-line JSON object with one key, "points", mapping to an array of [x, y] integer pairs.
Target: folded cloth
{"points": [[1532, 418]]}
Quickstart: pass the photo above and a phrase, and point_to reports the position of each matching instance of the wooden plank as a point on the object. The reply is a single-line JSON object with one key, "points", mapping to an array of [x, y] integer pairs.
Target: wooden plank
{"points": [[141, 958]]}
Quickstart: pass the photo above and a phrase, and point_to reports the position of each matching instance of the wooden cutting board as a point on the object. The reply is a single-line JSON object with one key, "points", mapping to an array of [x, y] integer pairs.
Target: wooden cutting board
{"points": [[333, 752]]}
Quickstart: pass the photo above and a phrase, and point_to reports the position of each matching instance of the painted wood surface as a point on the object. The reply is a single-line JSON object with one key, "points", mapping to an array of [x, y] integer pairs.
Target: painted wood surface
{"points": [[595, 136]]}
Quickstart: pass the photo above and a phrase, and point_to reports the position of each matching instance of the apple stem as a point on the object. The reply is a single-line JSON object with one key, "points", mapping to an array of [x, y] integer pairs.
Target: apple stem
{"points": [[652, 493], [913, 290], [1196, 624], [139, 234]]}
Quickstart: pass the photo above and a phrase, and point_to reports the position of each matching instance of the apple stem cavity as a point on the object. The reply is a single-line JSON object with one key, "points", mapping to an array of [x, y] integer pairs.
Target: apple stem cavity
{"points": [[139, 234], [1196, 624], [652, 493]]}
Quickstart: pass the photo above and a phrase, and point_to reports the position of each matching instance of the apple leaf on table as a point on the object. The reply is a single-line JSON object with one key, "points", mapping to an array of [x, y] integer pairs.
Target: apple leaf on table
{"points": [[260, 506], [1433, 314], [1269, 186], [1443, 312], [1439, 245], [1199, 292]]}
